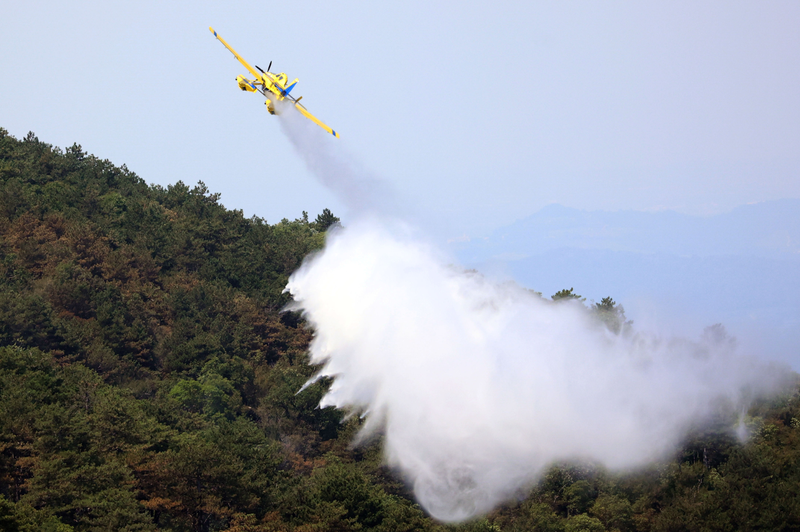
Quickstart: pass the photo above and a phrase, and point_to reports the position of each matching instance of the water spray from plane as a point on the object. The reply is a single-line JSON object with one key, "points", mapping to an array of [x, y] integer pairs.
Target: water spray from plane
{"points": [[361, 192], [478, 386]]}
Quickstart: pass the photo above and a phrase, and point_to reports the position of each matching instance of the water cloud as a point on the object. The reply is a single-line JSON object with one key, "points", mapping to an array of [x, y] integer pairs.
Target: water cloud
{"points": [[479, 386]]}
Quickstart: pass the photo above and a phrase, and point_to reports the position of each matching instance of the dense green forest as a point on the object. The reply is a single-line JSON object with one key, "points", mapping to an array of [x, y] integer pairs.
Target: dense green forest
{"points": [[149, 379]]}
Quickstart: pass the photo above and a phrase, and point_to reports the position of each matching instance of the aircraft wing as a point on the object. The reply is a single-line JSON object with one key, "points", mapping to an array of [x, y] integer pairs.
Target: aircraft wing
{"points": [[237, 56], [315, 120]]}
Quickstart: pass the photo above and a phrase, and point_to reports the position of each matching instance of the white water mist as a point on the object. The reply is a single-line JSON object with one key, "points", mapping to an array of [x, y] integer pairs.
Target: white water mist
{"points": [[361, 192], [477, 386]]}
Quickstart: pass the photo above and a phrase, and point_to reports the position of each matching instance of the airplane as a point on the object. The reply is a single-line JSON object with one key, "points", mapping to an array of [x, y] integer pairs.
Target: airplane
{"points": [[272, 86]]}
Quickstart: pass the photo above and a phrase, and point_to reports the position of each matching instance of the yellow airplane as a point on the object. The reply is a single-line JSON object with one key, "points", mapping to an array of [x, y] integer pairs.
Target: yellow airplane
{"points": [[271, 85]]}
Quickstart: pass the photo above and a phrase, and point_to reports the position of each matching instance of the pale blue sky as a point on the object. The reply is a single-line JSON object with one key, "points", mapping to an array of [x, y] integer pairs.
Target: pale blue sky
{"points": [[479, 113]]}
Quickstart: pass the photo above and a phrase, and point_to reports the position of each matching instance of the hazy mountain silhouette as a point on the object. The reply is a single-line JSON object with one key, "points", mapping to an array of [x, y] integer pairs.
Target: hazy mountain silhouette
{"points": [[739, 268], [769, 229]]}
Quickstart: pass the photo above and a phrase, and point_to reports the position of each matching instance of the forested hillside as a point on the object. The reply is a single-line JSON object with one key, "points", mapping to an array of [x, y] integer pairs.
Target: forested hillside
{"points": [[149, 381]]}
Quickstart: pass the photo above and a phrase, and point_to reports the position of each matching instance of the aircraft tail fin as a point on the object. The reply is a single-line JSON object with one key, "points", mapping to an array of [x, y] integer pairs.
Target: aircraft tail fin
{"points": [[288, 89]]}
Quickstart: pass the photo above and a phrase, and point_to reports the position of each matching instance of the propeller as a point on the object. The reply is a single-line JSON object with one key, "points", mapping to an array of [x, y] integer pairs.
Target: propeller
{"points": [[270, 66]]}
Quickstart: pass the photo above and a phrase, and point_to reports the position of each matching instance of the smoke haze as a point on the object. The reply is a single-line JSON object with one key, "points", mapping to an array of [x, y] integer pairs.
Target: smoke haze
{"points": [[477, 386]]}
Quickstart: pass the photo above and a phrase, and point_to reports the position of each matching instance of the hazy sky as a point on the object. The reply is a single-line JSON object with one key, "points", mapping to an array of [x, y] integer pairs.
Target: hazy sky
{"points": [[477, 113]]}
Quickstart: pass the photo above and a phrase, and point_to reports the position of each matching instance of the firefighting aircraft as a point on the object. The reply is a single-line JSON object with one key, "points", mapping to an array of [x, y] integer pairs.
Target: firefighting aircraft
{"points": [[273, 86]]}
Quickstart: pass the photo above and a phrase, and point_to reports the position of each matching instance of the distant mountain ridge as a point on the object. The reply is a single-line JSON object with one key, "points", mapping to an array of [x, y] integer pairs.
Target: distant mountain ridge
{"points": [[739, 268], [768, 229]]}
